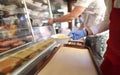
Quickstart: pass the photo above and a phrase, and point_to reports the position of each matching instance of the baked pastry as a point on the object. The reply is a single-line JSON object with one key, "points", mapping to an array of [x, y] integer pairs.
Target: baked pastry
{"points": [[2, 49], [9, 64], [17, 43], [33, 54], [23, 54]]}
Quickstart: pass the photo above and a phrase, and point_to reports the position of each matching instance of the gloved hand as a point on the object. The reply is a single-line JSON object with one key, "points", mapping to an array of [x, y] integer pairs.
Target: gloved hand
{"points": [[75, 35]]}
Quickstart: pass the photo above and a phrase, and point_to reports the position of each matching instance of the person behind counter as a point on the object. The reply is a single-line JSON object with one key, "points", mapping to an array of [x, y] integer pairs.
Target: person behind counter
{"points": [[111, 63], [95, 21], [92, 12]]}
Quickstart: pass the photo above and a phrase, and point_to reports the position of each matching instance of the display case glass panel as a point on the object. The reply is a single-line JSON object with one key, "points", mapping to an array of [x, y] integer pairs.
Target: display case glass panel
{"points": [[15, 26], [40, 12]]}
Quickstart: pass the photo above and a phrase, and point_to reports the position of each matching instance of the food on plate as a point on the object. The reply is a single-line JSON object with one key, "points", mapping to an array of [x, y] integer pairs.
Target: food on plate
{"points": [[60, 36]]}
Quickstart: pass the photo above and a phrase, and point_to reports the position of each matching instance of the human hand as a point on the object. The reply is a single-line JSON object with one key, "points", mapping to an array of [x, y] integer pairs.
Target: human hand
{"points": [[75, 35], [50, 21]]}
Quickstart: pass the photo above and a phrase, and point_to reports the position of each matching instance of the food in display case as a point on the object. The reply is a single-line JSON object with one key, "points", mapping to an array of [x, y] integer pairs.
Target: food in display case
{"points": [[13, 62], [22, 57], [16, 38], [39, 12], [2, 49], [14, 25], [7, 44]]}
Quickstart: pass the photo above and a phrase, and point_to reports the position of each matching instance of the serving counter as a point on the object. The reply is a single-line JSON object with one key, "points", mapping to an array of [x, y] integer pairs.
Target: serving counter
{"points": [[70, 60]]}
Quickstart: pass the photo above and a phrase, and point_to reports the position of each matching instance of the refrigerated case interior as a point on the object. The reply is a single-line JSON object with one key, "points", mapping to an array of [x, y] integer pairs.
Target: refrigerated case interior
{"points": [[15, 28], [17, 45], [39, 12]]}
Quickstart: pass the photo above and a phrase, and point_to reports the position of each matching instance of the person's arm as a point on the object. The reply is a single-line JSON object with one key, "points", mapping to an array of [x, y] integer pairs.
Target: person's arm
{"points": [[70, 16], [95, 29]]}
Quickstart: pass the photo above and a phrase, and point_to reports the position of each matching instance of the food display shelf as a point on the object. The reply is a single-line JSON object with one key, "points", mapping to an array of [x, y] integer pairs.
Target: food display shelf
{"points": [[15, 27], [22, 60], [13, 50], [27, 66]]}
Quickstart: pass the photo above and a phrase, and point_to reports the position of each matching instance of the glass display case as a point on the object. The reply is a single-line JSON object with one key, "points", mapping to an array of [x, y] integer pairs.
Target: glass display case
{"points": [[15, 26], [39, 12], [23, 45]]}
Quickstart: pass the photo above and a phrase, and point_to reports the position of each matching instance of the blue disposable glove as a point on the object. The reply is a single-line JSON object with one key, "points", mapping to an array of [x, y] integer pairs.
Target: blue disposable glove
{"points": [[75, 35]]}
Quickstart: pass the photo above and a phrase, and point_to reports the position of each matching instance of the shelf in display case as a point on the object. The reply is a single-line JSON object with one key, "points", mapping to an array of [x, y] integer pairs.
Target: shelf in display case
{"points": [[32, 5], [10, 44], [14, 12], [12, 50], [39, 11], [2, 30], [35, 53], [14, 32], [30, 64], [15, 24]]}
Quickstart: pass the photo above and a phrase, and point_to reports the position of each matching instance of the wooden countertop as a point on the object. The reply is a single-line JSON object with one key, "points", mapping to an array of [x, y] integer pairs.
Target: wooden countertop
{"points": [[70, 61]]}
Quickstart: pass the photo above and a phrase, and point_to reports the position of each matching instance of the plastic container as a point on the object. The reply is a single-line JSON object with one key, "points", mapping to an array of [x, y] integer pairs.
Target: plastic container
{"points": [[61, 38]]}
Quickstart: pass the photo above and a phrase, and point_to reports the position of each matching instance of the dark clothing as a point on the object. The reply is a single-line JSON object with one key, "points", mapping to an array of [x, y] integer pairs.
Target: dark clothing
{"points": [[114, 37], [109, 68], [111, 63]]}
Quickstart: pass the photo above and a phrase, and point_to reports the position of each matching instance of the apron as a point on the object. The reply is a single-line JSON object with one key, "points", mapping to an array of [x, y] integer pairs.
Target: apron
{"points": [[111, 63], [114, 37]]}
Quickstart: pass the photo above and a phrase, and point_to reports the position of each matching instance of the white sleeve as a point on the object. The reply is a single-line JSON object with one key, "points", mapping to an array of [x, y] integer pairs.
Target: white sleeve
{"points": [[83, 3], [104, 25]]}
